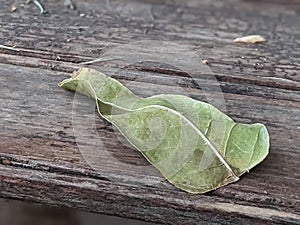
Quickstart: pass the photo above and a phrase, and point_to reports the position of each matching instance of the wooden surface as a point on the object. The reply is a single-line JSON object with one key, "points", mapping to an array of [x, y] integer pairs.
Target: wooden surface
{"points": [[41, 159]]}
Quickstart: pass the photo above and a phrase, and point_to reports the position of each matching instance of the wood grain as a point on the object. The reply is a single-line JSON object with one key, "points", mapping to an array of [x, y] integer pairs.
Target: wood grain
{"points": [[51, 157]]}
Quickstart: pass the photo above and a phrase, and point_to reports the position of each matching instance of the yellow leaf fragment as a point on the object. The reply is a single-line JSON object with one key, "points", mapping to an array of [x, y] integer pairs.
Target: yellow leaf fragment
{"points": [[253, 39]]}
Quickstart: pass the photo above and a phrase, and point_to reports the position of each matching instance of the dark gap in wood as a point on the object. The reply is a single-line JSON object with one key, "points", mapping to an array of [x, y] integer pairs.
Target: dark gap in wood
{"points": [[60, 57], [14, 162]]}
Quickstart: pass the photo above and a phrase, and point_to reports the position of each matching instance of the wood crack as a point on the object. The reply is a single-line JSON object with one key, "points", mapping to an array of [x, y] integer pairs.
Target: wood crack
{"points": [[31, 165]]}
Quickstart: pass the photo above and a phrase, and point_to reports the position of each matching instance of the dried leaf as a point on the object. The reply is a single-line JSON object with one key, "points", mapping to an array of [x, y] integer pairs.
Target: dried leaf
{"points": [[196, 147], [250, 39]]}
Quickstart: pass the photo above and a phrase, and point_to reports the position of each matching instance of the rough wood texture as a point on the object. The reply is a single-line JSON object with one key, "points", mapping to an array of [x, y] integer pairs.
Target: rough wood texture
{"points": [[41, 158]]}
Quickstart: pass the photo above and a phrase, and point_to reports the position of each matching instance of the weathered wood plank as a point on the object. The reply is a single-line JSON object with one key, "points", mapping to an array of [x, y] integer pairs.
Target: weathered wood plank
{"points": [[43, 134], [42, 160], [203, 28]]}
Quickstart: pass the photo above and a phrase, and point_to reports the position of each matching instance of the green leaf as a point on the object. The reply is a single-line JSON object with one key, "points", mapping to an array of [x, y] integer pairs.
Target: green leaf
{"points": [[196, 147]]}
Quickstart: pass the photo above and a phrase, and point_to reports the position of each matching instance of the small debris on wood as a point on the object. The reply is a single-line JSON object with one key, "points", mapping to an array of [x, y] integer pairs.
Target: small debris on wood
{"points": [[70, 39], [13, 8], [205, 62], [104, 59], [9, 48], [253, 39], [258, 65], [6, 162], [45, 168], [70, 4]]}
